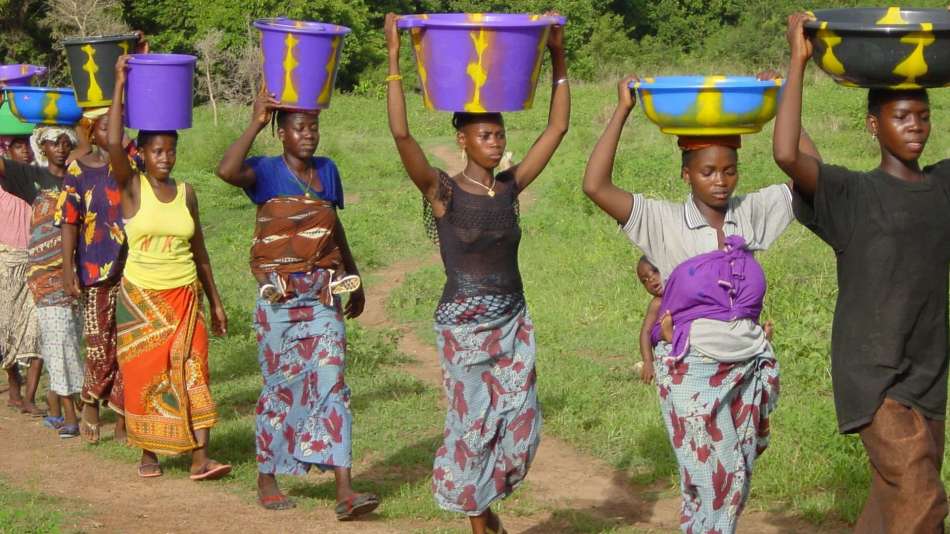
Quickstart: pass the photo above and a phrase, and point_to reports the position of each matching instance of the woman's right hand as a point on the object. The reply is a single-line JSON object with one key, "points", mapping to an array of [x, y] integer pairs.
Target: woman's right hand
{"points": [[646, 372], [71, 284], [263, 110], [392, 33], [797, 39], [626, 97], [121, 67]]}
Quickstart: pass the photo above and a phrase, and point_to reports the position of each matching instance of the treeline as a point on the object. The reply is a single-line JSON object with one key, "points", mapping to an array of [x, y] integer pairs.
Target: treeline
{"points": [[603, 36]]}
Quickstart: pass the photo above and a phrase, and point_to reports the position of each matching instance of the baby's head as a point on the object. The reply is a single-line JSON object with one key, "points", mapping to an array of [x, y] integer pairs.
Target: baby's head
{"points": [[650, 277]]}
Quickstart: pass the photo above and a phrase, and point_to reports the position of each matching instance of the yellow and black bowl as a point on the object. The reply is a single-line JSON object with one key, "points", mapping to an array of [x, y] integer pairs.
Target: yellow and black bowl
{"points": [[890, 48], [92, 66]]}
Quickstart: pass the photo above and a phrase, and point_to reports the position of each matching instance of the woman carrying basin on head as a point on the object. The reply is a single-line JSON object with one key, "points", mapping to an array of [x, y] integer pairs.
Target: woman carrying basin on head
{"points": [[714, 368], [484, 332]]}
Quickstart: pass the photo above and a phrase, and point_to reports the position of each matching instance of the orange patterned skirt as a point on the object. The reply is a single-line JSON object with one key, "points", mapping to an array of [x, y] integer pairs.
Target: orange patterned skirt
{"points": [[163, 357]]}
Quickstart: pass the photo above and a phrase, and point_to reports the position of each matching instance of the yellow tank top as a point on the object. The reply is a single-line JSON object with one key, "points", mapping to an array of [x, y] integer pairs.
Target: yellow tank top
{"points": [[159, 238]]}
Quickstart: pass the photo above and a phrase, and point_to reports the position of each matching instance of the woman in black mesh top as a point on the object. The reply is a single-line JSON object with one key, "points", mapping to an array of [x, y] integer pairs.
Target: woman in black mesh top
{"points": [[484, 334]]}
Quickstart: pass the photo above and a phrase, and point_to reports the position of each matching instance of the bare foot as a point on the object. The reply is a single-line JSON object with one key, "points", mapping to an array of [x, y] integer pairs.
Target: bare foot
{"points": [[31, 409]]}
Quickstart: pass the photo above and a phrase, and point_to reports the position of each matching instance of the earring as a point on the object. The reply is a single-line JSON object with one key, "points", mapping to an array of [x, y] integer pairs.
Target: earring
{"points": [[874, 136], [462, 155]]}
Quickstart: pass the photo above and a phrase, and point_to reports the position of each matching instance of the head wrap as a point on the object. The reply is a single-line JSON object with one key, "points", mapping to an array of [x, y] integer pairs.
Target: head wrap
{"points": [[49, 133], [688, 143]]}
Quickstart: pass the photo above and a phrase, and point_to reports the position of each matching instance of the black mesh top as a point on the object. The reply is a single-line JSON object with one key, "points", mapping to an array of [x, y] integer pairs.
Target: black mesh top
{"points": [[478, 238]]}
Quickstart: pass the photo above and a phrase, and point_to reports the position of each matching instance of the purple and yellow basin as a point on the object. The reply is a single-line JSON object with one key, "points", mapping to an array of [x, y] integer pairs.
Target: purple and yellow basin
{"points": [[709, 105], [479, 62], [301, 59], [19, 74], [92, 66], [43, 105], [10, 125], [890, 48]]}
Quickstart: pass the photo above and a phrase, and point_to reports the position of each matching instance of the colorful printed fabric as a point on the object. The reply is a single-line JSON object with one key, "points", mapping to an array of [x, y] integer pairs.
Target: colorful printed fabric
{"points": [[717, 417], [45, 276], [493, 422], [19, 330], [295, 235], [90, 200], [102, 377], [303, 414], [163, 358], [59, 345]]}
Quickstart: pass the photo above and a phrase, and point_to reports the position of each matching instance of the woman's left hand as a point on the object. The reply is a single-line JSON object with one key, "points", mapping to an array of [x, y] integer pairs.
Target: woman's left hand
{"points": [[219, 320], [556, 35], [354, 306]]}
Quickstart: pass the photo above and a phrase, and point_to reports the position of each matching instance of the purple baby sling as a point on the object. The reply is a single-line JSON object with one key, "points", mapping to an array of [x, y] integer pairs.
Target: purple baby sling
{"points": [[725, 285]]}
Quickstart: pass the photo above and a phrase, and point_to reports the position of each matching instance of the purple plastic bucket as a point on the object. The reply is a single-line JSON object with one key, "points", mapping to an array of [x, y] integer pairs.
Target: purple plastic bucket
{"points": [[19, 74], [158, 91], [301, 59], [479, 62]]}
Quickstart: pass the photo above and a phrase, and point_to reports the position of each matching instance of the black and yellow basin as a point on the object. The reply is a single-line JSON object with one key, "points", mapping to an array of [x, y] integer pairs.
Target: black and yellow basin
{"points": [[92, 66], [890, 48]]}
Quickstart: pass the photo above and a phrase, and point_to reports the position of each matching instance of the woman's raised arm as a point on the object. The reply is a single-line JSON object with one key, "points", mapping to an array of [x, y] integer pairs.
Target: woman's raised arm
{"points": [[559, 114], [425, 176], [598, 177], [121, 168]]}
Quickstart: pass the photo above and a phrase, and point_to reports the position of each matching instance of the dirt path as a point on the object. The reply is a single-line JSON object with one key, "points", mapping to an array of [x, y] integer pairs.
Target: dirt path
{"points": [[561, 478], [111, 498]]}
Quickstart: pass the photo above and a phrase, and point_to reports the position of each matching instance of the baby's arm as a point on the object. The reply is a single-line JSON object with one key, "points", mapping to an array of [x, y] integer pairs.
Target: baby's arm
{"points": [[646, 347]]}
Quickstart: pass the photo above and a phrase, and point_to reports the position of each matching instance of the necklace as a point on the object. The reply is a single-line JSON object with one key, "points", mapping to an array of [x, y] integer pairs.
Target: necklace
{"points": [[305, 189], [490, 189]]}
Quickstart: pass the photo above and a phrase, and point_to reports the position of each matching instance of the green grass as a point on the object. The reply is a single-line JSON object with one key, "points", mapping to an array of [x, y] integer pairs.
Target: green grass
{"points": [[24, 512], [582, 293]]}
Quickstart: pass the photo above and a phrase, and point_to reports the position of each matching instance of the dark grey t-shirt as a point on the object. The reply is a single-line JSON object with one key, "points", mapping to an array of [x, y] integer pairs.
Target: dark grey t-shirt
{"points": [[892, 243], [26, 181]]}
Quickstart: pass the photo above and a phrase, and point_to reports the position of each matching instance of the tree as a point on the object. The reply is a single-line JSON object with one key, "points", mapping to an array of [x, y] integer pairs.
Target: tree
{"points": [[209, 55]]}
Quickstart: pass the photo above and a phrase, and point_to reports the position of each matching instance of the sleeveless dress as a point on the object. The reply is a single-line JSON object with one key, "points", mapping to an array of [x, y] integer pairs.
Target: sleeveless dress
{"points": [[162, 337], [486, 345]]}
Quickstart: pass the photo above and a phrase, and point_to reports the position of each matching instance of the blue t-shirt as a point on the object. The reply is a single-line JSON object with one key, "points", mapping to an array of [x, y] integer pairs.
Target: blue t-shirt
{"points": [[274, 179]]}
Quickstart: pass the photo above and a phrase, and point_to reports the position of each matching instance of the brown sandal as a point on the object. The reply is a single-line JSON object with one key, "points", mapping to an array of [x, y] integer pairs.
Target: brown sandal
{"points": [[89, 432]]}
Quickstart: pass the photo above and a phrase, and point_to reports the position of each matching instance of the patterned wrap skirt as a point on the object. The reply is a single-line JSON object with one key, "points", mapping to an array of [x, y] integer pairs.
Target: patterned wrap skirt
{"points": [[102, 381], [717, 417], [493, 422], [303, 413], [163, 357], [19, 330]]}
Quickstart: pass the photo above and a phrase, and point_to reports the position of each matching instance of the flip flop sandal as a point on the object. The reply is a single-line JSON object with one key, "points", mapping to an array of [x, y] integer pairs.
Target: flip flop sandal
{"points": [[53, 423], [356, 505], [347, 284], [69, 431], [214, 473], [275, 502], [89, 431], [153, 474]]}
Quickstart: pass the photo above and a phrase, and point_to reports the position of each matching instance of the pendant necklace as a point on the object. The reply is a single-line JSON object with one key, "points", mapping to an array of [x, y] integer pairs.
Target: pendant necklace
{"points": [[306, 189], [491, 190]]}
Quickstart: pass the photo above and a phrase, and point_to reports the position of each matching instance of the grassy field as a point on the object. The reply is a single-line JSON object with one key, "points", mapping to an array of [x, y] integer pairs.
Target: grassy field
{"points": [[582, 293]]}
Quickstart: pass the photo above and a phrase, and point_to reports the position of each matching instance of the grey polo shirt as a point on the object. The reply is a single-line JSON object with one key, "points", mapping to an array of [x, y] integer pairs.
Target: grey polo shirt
{"points": [[670, 233]]}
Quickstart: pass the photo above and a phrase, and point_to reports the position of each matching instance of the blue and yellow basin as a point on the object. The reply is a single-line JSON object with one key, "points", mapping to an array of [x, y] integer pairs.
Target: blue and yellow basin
{"points": [[43, 105], [709, 105], [890, 48]]}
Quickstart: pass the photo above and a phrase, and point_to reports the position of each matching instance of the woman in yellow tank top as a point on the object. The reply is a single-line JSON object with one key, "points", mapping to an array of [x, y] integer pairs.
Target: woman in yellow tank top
{"points": [[162, 337]]}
